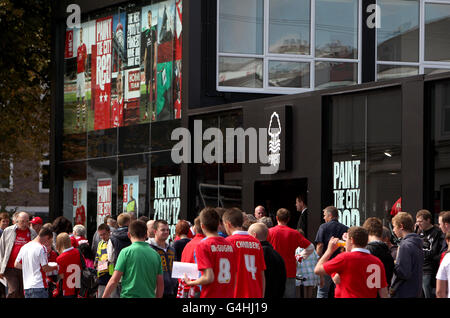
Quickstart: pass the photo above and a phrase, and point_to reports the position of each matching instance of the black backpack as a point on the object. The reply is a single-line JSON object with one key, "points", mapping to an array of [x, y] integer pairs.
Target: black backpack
{"points": [[88, 280]]}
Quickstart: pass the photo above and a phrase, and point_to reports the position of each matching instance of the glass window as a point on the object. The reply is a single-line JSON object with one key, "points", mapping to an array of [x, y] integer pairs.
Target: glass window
{"points": [[437, 29], [289, 74], [385, 72], [240, 72], [289, 26], [217, 184], [398, 36], [132, 189], [165, 195], [241, 26], [332, 74], [365, 137], [439, 131], [44, 177], [75, 194], [134, 139], [337, 28], [6, 179], [430, 71]]}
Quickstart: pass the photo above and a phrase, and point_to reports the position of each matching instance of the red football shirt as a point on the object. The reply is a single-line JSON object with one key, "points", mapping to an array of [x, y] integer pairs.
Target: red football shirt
{"points": [[188, 252], [22, 238], [81, 58], [117, 113], [80, 215], [250, 262], [218, 254], [70, 265], [362, 274], [285, 241]]}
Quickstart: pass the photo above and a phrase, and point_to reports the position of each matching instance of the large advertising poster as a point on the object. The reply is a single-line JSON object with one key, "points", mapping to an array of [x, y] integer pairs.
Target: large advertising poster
{"points": [[77, 78], [79, 202], [167, 202], [104, 199], [124, 69], [102, 69], [131, 194]]}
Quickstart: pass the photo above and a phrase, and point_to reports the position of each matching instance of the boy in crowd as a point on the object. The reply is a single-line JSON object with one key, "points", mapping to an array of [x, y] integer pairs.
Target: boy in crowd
{"points": [[361, 275], [215, 259], [249, 256]]}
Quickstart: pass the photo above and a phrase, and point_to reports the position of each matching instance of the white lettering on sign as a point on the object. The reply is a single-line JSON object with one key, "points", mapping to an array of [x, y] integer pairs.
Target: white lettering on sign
{"points": [[167, 203], [346, 191]]}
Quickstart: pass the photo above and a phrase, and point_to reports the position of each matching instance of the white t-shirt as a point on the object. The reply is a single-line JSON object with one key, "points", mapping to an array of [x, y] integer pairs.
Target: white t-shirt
{"points": [[33, 256], [444, 271]]}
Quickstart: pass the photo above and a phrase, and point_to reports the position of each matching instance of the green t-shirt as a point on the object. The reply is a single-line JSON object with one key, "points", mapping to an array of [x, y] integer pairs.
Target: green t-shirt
{"points": [[140, 265]]}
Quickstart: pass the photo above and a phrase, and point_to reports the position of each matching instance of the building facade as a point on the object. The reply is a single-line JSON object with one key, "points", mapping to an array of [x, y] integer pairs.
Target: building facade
{"points": [[359, 90]]}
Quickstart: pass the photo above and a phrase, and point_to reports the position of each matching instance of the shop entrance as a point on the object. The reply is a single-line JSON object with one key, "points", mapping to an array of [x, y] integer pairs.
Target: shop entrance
{"points": [[276, 194]]}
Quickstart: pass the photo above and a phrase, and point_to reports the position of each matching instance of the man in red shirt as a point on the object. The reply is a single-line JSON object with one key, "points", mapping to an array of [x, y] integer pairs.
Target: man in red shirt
{"points": [[69, 262], [187, 256], [11, 241], [215, 259], [285, 241], [117, 104], [361, 275], [250, 279]]}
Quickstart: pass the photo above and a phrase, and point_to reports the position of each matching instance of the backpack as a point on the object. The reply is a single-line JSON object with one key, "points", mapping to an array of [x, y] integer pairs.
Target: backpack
{"points": [[88, 280]]}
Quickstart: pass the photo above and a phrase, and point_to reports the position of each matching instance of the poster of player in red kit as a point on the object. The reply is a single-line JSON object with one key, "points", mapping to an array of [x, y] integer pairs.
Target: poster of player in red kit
{"points": [[178, 57], [79, 202], [102, 72]]}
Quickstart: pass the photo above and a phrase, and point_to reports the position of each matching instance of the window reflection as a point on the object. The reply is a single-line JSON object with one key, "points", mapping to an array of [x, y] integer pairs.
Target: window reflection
{"points": [[398, 36], [240, 72], [333, 74], [386, 72], [289, 74], [437, 30], [289, 26], [241, 26], [337, 28]]}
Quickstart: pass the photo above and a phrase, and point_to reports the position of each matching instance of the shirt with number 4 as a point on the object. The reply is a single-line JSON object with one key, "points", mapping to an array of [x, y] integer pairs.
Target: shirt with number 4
{"points": [[250, 265], [218, 254]]}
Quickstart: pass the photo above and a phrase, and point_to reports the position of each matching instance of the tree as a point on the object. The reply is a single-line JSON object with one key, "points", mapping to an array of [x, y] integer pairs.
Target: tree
{"points": [[24, 80]]}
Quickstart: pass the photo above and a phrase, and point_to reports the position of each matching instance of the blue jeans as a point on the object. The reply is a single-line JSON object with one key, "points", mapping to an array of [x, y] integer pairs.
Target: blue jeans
{"points": [[36, 293], [428, 286], [322, 292]]}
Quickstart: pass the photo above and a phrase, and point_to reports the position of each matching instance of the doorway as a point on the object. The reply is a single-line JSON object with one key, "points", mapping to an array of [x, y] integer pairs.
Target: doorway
{"points": [[276, 194]]}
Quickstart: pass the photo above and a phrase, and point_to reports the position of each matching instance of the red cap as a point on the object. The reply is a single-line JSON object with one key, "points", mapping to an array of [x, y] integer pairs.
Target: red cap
{"points": [[36, 220]]}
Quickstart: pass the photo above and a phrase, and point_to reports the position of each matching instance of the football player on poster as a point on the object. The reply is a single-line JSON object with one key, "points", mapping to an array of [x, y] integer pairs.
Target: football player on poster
{"points": [[149, 40], [117, 104], [81, 89], [79, 202]]}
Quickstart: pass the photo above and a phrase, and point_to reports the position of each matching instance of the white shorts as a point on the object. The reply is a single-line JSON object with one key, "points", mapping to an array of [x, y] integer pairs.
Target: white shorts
{"points": [[81, 85]]}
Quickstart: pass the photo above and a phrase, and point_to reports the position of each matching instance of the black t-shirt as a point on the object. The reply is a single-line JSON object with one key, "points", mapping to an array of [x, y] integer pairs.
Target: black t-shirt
{"points": [[328, 230], [179, 245]]}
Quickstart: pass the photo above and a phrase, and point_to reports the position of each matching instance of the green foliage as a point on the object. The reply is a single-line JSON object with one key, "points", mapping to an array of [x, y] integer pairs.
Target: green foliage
{"points": [[24, 79]]}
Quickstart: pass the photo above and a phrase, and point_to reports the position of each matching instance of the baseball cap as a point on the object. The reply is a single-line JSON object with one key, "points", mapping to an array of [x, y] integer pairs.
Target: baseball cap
{"points": [[36, 220]]}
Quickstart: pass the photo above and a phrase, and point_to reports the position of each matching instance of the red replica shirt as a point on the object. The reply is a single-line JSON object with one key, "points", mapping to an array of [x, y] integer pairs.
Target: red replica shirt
{"points": [[70, 265], [74, 241], [362, 274], [285, 241], [22, 238], [218, 254], [80, 215], [250, 263], [81, 58]]}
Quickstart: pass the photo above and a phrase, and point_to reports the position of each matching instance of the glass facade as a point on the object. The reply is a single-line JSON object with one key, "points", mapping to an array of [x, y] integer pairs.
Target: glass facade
{"points": [[287, 46], [365, 146], [217, 184], [438, 101], [122, 99]]}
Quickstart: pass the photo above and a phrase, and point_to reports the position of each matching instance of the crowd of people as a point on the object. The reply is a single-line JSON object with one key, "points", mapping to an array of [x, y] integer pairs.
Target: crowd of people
{"points": [[238, 255]]}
